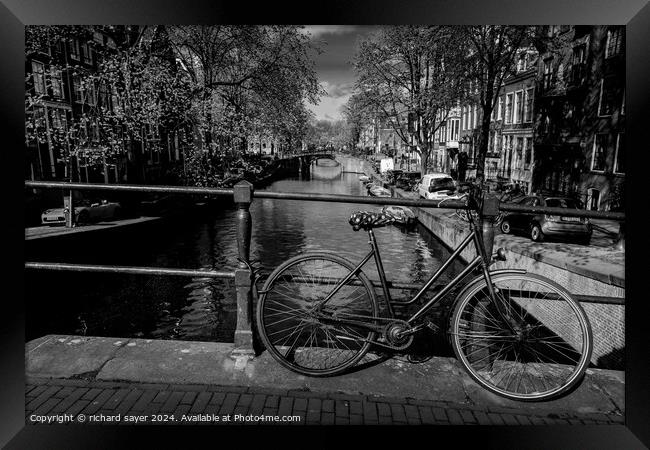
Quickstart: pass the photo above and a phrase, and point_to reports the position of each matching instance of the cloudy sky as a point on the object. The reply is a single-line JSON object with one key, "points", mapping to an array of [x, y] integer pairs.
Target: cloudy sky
{"points": [[334, 65]]}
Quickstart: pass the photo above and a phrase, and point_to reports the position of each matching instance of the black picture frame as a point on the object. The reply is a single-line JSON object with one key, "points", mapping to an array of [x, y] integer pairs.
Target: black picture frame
{"points": [[635, 14]]}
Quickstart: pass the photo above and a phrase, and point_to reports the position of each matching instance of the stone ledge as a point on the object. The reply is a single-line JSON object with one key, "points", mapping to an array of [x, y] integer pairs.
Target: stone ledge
{"points": [[439, 379]]}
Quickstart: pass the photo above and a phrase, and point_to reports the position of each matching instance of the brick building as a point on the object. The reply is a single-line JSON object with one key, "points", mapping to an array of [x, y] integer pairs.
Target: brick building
{"points": [[580, 115], [67, 106], [511, 135]]}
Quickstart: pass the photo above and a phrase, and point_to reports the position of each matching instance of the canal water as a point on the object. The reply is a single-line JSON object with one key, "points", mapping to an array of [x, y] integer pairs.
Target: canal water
{"points": [[205, 309]]}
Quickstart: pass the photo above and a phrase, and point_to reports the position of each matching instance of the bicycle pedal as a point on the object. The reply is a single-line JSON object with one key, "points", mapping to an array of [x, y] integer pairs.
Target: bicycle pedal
{"points": [[432, 326]]}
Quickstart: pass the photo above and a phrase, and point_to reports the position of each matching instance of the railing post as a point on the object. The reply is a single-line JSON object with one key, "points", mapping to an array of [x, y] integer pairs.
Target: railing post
{"points": [[489, 211], [243, 196], [68, 205]]}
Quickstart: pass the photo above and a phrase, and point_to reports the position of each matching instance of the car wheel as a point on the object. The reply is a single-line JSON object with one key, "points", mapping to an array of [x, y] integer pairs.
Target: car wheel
{"points": [[536, 233], [83, 218], [505, 227]]}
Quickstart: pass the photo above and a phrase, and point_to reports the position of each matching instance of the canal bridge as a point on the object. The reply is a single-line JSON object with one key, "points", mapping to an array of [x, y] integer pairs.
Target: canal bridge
{"points": [[243, 195], [301, 162]]}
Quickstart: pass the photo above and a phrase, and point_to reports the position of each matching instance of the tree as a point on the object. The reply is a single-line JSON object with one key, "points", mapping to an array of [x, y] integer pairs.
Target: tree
{"points": [[355, 116], [411, 71], [492, 50], [247, 79]]}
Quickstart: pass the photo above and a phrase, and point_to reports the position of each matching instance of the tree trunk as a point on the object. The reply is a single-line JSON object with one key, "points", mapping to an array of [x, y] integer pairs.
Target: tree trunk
{"points": [[482, 147], [424, 159]]}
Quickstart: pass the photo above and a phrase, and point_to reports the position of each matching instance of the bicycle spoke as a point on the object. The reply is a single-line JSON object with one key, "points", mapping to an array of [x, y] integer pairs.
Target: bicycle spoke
{"points": [[317, 345]]}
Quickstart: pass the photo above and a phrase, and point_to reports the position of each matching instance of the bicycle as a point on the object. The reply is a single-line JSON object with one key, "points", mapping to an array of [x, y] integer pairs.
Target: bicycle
{"points": [[519, 335]]}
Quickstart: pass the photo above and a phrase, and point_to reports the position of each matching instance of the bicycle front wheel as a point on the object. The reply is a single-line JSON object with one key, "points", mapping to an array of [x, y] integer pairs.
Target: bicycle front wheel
{"points": [[531, 341], [300, 329]]}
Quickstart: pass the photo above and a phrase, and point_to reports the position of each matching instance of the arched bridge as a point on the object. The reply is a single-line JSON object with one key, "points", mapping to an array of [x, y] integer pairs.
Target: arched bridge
{"points": [[302, 161]]}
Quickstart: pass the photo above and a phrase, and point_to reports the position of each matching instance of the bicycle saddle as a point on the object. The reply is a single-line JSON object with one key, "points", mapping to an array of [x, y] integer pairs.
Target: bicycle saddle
{"points": [[370, 219]]}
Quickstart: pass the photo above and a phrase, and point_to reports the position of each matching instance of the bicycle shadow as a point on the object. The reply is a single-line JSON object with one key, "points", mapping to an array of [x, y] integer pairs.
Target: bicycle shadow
{"points": [[426, 344]]}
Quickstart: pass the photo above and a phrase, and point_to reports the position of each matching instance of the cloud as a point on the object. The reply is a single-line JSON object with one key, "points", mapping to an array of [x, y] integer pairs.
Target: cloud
{"points": [[317, 31], [329, 107], [337, 90]]}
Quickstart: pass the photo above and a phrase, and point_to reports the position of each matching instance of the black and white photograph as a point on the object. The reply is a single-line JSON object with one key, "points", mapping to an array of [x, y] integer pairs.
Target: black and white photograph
{"points": [[326, 225]]}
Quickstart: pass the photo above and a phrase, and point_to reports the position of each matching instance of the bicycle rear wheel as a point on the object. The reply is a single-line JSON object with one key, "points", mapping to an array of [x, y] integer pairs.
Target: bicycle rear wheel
{"points": [[531, 342], [297, 333]]}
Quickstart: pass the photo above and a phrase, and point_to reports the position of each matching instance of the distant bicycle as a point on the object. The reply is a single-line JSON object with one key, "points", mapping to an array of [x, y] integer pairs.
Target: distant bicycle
{"points": [[519, 335]]}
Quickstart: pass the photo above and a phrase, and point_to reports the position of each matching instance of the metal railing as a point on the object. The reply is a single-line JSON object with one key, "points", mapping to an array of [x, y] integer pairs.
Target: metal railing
{"points": [[243, 195]]}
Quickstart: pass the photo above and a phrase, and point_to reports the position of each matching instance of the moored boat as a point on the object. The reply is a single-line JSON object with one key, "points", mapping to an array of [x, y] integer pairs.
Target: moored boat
{"points": [[378, 191]]}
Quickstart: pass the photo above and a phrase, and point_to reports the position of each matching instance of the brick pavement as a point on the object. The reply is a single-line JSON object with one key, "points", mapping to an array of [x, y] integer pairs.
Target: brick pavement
{"points": [[51, 397]]}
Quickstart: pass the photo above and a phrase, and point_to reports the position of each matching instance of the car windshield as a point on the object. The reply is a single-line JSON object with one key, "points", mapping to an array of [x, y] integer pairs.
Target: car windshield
{"points": [[562, 203], [442, 183]]}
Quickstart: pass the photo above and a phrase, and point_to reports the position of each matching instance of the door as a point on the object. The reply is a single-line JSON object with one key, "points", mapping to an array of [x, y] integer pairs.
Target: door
{"points": [[593, 199]]}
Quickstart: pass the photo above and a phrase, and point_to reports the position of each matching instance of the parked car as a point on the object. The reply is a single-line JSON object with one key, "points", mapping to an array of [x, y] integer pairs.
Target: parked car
{"points": [[540, 226], [84, 212], [408, 180], [437, 186]]}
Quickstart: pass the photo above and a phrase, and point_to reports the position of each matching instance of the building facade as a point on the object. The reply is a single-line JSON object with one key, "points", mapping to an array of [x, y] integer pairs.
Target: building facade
{"points": [[71, 132], [580, 115]]}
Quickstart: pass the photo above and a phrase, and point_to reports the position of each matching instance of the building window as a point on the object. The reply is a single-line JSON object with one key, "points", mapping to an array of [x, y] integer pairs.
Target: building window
{"points": [[92, 93], [57, 83], [475, 117], [528, 105], [519, 107], [578, 64], [115, 100], [521, 62], [528, 154], [614, 42], [87, 53], [104, 96], [547, 78], [59, 121], [77, 89], [500, 109], [607, 100], [619, 159], [519, 150], [455, 125], [74, 49], [598, 156], [38, 75], [508, 118]]}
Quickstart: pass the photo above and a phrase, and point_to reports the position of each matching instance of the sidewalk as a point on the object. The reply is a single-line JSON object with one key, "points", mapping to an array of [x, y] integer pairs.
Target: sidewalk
{"points": [[46, 231], [91, 375]]}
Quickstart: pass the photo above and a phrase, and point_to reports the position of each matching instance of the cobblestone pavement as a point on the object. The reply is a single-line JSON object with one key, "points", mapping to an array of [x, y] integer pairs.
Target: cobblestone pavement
{"points": [[66, 400]]}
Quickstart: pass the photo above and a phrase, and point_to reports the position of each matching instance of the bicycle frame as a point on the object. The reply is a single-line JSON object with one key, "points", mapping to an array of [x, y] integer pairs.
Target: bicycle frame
{"points": [[480, 260]]}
